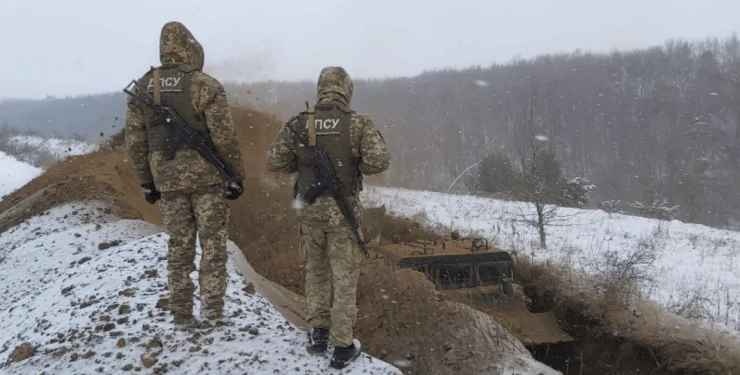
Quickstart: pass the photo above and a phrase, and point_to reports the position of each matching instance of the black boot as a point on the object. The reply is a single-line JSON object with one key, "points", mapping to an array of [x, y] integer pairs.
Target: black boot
{"points": [[344, 355], [318, 339]]}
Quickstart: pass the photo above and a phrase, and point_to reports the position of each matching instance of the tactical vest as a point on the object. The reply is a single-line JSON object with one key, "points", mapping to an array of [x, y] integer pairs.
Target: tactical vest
{"points": [[174, 83], [332, 126]]}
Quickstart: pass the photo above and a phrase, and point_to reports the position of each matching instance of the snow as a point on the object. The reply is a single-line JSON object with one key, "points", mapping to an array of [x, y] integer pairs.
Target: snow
{"points": [[14, 174], [77, 279], [60, 148], [696, 271]]}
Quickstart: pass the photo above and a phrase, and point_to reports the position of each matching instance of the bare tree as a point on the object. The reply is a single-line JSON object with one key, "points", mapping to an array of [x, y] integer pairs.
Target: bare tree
{"points": [[541, 175], [541, 185]]}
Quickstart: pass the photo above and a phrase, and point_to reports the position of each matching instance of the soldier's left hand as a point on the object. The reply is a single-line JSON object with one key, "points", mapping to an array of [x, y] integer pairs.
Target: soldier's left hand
{"points": [[233, 190], [151, 194]]}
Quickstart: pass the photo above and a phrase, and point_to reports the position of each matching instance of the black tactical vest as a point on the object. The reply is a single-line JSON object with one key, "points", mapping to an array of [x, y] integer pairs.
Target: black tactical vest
{"points": [[333, 135], [175, 83]]}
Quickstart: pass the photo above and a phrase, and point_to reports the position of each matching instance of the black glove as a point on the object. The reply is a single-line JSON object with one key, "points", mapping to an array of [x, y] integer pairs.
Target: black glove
{"points": [[233, 189], [151, 194]]}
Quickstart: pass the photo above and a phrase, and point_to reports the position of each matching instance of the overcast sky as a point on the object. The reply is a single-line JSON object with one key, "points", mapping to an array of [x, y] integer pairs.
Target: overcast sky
{"points": [[73, 47]]}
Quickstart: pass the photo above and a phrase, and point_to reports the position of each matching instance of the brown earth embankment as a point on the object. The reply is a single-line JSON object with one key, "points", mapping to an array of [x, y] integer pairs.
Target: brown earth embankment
{"points": [[401, 317]]}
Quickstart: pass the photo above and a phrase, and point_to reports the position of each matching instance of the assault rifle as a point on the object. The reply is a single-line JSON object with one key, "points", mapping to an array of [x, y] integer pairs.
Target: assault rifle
{"points": [[327, 182], [184, 133]]}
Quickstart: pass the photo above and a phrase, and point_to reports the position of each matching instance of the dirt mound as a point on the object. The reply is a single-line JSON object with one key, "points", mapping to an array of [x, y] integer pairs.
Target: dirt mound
{"points": [[405, 321], [401, 318], [107, 175], [103, 175]]}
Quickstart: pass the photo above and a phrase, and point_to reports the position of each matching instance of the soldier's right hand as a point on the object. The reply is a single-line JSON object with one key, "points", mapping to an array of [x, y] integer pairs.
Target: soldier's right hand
{"points": [[151, 194], [233, 190]]}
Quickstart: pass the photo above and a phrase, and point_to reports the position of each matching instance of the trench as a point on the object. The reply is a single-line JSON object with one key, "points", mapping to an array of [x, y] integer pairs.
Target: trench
{"points": [[597, 356], [288, 303], [593, 351]]}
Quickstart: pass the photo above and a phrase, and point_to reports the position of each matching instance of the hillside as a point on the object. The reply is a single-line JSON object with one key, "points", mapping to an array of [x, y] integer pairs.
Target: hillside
{"points": [[645, 125], [14, 174], [90, 117], [651, 125], [410, 331], [57, 147], [41, 151], [83, 293], [668, 286], [691, 270], [413, 324]]}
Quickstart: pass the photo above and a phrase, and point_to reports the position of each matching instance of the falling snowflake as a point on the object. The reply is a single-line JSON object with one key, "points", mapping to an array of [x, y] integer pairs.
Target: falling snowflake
{"points": [[541, 138]]}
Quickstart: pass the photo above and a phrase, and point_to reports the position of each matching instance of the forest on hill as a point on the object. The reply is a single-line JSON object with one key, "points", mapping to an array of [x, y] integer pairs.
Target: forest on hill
{"points": [[656, 127], [650, 128], [89, 117]]}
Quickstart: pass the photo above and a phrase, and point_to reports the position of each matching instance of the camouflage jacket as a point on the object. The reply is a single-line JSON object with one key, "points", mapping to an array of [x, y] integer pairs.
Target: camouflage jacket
{"points": [[368, 146], [188, 171]]}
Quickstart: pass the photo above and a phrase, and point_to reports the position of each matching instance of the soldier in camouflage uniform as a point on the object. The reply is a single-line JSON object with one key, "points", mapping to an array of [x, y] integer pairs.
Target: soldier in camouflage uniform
{"points": [[333, 257], [192, 191]]}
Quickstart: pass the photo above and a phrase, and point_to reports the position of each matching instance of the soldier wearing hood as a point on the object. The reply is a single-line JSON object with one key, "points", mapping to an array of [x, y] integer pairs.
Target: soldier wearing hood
{"points": [[333, 257], [191, 190]]}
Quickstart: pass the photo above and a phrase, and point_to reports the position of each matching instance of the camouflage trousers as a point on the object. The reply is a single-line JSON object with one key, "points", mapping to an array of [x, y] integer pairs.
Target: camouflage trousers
{"points": [[186, 214], [333, 261]]}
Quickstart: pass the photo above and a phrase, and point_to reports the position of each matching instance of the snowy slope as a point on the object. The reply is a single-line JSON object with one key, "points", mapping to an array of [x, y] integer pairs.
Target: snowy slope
{"points": [[14, 174], [59, 148], [83, 287], [696, 271]]}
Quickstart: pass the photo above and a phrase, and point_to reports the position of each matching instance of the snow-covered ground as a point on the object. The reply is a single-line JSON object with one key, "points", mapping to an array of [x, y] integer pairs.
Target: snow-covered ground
{"points": [[59, 148], [14, 174], [695, 272], [83, 288]]}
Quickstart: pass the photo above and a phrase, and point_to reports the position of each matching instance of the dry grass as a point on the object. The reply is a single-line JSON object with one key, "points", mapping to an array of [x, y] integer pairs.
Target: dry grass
{"points": [[676, 345]]}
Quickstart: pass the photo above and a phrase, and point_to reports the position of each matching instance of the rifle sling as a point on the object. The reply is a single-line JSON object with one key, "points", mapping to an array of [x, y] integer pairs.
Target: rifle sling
{"points": [[156, 77], [311, 123]]}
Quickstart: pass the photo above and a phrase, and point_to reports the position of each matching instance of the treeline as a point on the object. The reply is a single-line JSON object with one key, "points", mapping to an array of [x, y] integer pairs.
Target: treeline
{"points": [[656, 127], [87, 118]]}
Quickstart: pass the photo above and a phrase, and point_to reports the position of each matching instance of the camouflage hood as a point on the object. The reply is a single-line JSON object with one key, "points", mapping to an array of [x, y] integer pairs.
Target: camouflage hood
{"points": [[177, 46], [335, 86]]}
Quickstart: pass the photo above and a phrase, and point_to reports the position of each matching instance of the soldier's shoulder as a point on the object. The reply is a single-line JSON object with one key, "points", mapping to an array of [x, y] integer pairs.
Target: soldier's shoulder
{"points": [[295, 119], [207, 80], [148, 73], [146, 76], [361, 120], [302, 116], [361, 117], [297, 122]]}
